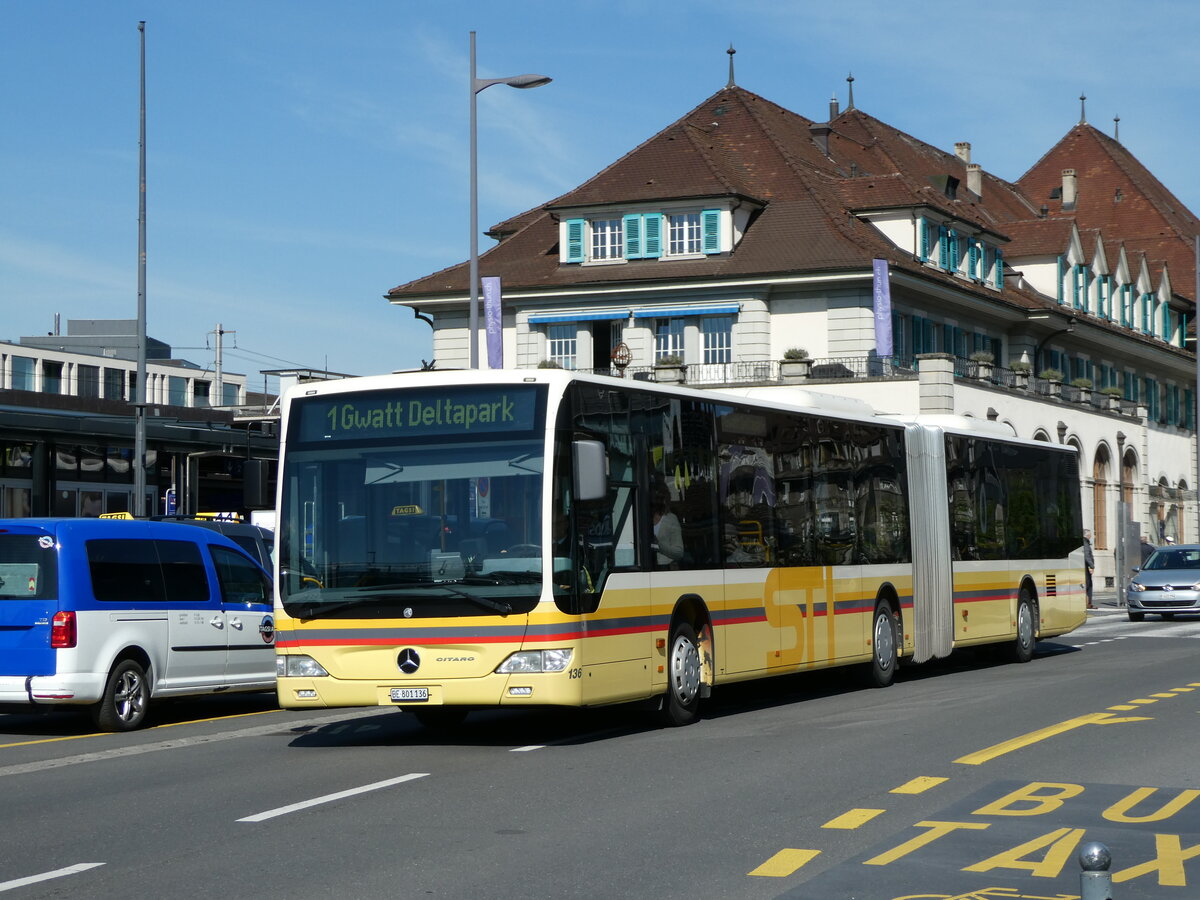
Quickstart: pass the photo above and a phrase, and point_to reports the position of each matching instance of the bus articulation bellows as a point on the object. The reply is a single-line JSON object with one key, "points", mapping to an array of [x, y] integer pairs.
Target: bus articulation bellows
{"points": [[461, 540]]}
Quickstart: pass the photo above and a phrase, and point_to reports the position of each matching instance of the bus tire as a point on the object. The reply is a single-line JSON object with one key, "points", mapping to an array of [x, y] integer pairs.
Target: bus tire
{"points": [[681, 705], [1021, 649], [1136, 616], [440, 718], [885, 646], [126, 696]]}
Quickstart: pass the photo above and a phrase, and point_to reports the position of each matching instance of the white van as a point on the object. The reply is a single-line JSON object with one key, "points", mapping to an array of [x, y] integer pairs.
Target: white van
{"points": [[107, 614]]}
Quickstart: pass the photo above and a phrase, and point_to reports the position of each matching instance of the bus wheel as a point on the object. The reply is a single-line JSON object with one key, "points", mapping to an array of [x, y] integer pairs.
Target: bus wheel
{"points": [[682, 702], [440, 718], [1021, 649], [126, 696], [884, 646]]}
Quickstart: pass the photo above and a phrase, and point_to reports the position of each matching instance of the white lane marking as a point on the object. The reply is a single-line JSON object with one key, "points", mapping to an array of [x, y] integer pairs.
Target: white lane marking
{"points": [[527, 749], [46, 876], [329, 798], [258, 731]]}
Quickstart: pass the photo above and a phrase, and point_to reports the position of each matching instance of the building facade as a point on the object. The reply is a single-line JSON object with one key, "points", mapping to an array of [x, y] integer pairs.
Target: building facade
{"points": [[67, 427], [1060, 305]]}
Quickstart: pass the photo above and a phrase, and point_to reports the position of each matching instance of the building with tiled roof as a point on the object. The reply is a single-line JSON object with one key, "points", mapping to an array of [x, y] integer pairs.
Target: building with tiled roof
{"points": [[743, 230]]}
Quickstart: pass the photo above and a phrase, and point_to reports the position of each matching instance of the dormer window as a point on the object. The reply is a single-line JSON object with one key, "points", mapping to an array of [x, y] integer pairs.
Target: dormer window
{"points": [[684, 233], [647, 235], [606, 239]]}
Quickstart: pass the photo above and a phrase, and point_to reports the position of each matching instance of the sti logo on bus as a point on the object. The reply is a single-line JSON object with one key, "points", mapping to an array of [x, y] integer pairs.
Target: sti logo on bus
{"points": [[408, 661]]}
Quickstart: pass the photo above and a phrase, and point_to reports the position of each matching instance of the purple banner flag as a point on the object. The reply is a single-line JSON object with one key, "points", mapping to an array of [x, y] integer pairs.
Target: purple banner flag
{"points": [[495, 327], [882, 303]]}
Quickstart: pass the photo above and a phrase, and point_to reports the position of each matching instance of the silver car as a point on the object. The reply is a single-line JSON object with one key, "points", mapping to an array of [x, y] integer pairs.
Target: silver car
{"points": [[1168, 583]]}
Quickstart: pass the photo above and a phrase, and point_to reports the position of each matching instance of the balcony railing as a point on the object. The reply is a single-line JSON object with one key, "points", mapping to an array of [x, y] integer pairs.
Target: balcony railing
{"points": [[847, 368]]}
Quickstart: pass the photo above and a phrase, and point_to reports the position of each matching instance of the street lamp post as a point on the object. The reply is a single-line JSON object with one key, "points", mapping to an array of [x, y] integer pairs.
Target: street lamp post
{"points": [[477, 85]]}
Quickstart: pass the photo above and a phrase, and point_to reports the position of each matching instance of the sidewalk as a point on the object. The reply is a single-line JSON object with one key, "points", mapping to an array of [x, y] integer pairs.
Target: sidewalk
{"points": [[1105, 598]]}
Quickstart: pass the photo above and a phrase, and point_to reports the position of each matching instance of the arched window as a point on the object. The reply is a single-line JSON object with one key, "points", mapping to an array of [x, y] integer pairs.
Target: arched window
{"points": [[1128, 474], [1100, 499]]}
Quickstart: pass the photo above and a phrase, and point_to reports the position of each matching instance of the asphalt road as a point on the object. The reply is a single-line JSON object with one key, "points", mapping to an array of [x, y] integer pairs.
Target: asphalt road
{"points": [[965, 776]]}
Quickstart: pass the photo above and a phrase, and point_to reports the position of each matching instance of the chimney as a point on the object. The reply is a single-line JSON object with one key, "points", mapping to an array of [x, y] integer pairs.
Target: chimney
{"points": [[1068, 189], [975, 179], [820, 136], [963, 151], [833, 108]]}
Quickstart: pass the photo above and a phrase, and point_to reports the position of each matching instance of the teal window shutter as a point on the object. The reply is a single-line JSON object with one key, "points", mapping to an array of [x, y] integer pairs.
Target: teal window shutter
{"points": [[999, 268], [1183, 320], [652, 231], [943, 247], [923, 242], [710, 226], [1060, 279], [633, 236], [953, 262], [973, 259], [574, 240]]}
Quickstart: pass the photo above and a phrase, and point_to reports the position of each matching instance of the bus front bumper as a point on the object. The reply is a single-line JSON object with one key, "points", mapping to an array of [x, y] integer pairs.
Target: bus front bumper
{"points": [[541, 689]]}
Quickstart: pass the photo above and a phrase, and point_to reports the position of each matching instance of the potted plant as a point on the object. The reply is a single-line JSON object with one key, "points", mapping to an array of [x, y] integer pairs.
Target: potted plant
{"points": [[795, 365], [1084, 386], [548, 364], [1021, 371], [1112, 396], [984, 361], [670, 369], [1052, 379]]}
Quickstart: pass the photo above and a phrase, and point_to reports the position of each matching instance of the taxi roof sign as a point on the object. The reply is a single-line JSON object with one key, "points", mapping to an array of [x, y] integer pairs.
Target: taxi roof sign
{"points": [[116, 515]]}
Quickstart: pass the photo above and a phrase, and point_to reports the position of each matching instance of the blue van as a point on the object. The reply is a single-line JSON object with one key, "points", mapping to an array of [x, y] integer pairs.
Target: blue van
{"points": [[107, 614]]}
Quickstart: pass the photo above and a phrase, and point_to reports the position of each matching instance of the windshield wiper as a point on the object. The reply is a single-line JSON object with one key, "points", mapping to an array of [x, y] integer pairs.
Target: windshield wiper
{"points": [[504, 577]]}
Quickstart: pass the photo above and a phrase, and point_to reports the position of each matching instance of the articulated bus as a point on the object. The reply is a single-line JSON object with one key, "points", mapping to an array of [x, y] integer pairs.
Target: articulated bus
{"points": [[451, 541]]}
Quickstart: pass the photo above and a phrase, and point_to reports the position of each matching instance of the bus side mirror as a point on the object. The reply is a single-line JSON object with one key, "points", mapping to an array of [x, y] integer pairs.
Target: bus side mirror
{"points": [[591, 470]]}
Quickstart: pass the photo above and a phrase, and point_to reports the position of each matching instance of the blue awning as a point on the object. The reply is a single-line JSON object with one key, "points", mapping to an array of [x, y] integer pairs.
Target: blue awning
{"points": [[666, 312], [548, 318]]}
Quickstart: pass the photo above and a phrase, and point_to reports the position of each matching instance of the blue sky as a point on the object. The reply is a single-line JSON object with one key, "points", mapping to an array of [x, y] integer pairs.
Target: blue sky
{"points": [[304, 157]]}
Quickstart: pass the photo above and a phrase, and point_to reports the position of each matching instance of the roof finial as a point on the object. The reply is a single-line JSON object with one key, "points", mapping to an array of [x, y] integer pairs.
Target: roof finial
{"points": [[1117, 129], [1082, 109], [850, 99], [730, 51]]}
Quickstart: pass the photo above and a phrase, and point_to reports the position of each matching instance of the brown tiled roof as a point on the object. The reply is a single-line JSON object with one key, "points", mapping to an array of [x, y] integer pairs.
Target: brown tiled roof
{"points": [[740, 146], [1119, 196]]}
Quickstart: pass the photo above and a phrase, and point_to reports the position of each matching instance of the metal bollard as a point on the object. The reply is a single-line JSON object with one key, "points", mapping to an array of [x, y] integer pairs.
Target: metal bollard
{"points": [[1095, 882]]}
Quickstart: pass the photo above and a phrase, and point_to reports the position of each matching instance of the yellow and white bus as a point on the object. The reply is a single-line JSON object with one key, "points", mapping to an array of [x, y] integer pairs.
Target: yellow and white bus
{"points": [[462, 540]]}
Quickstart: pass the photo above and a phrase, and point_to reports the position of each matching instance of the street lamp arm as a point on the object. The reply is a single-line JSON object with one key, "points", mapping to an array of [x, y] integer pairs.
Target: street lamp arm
{"points": [[1037, 350]]}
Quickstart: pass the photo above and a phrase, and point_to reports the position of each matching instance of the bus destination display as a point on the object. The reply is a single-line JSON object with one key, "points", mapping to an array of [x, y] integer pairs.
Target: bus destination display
{"points": [[415, 413]]}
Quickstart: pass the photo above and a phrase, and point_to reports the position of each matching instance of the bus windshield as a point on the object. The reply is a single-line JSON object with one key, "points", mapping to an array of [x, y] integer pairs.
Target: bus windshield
{"points": [[417, 525]]}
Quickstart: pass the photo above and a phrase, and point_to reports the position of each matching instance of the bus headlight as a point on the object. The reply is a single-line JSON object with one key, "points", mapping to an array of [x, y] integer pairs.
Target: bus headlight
{"points": [[526, 661], [298, 666]]}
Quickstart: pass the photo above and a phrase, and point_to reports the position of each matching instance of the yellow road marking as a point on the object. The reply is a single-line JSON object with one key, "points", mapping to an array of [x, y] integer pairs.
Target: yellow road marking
{"points": [[853, 819], [1163, 696], [1123, 707], [1183, 690], [785, 862], [79, 737], [1143, 701], [918, 785], [1025, 740]]}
